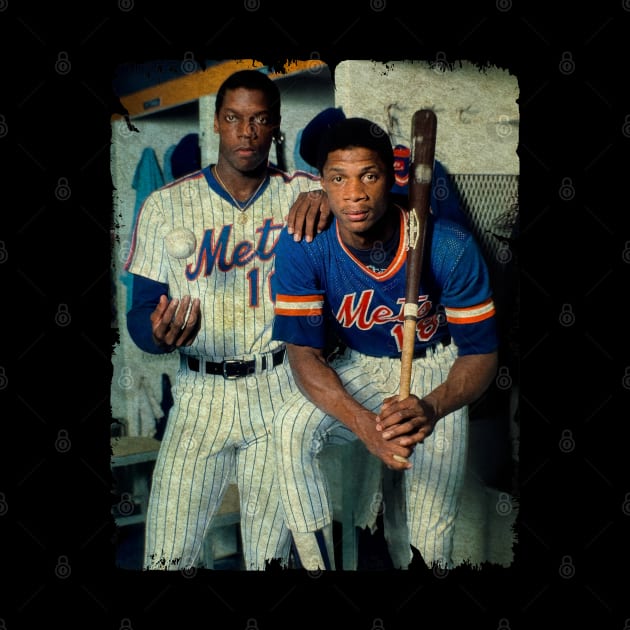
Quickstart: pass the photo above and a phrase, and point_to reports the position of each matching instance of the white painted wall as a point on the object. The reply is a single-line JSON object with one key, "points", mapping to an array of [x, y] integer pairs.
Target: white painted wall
{"points": [[133, 369], [477, 110]]}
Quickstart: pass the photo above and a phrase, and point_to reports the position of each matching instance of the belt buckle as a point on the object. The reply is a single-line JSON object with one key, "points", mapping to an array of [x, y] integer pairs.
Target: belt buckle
{"points": [[226, 363]]}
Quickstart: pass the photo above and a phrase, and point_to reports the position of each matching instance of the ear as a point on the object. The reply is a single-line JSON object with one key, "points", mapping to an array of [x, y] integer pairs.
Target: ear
{"points": [[216, 124]]}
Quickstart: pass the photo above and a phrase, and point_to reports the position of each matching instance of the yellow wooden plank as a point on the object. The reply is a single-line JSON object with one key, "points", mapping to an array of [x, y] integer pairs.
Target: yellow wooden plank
{"points": [[189, 88]]}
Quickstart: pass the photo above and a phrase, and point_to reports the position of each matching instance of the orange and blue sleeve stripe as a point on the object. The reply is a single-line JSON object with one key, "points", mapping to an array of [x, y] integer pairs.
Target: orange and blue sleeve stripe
{"points": [[473, 328], [471, 314], [299, 305]]}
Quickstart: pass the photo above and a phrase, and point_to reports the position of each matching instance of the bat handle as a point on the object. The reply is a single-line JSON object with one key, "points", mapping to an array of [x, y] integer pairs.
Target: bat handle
{"points": [[406, 357]]}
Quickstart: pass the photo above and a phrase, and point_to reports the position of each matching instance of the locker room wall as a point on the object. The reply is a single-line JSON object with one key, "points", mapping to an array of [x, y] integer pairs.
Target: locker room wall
{"points": [[476, 108], [134, 369]]}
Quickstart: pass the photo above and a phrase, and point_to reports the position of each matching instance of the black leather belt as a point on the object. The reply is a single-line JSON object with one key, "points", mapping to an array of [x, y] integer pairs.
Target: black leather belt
{"points": [[232, 368], [419, 354]]}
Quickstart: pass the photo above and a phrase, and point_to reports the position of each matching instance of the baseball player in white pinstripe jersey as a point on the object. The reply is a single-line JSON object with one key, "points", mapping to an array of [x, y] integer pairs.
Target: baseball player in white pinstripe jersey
{"points": [[350, 281], [202, 256]]}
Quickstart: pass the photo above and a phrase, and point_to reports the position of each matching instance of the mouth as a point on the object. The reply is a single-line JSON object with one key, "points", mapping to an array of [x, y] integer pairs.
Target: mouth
{"points": [[356, 215], [245, 150]]}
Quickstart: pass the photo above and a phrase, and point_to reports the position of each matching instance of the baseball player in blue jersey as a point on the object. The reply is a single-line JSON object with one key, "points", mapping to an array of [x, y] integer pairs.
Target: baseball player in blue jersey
{"points": [[202, 256], [349, 283]]}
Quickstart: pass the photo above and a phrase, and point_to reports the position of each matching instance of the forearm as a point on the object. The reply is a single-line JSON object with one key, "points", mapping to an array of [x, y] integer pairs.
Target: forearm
{"points": [[140, 331], [145, 297], [469, 377], [321, 385]]}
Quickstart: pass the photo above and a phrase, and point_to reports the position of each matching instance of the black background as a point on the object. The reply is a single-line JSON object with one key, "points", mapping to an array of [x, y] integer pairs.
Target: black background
{"points": [[574, 261]]}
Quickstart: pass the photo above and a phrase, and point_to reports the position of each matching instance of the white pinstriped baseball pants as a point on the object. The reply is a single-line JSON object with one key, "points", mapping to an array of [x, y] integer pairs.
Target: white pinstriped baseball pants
{"points": [[217, 428], [432, 486]]}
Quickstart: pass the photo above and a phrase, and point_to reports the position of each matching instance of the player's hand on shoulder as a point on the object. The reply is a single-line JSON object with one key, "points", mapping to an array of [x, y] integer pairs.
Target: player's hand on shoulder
{"points": [[175, 323], [309, 215]]}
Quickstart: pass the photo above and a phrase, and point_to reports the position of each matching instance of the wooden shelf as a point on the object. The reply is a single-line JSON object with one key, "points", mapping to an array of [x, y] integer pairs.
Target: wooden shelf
{"points": [[191, 87], [133, 450]]}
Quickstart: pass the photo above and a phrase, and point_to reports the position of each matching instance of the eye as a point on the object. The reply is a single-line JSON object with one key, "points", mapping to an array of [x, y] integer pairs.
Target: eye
{"points": [[230, 117], [261, 119]]}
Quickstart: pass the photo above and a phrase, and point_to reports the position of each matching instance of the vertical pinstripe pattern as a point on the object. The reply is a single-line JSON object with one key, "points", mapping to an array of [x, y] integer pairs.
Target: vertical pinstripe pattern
{"points": [[217, 428], [200, 452], [232, 260], [432, 487], [433, 491]]}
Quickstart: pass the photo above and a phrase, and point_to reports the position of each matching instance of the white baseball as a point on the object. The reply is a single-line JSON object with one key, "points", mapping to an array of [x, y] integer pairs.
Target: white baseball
{"points": [[180, 243]]}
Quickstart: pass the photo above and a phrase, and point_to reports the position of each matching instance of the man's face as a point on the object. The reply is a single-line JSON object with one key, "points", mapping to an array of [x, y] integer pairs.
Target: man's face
{"points": [[246, 127], [355, 180]]}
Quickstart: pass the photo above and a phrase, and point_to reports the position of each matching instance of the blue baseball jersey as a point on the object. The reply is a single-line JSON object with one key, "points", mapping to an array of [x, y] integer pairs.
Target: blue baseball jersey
{"points": [[322, 287]]}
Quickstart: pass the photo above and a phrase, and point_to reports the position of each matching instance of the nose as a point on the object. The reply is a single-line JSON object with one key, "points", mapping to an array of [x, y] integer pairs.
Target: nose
{"points": [[247, 128], [354, 189]]}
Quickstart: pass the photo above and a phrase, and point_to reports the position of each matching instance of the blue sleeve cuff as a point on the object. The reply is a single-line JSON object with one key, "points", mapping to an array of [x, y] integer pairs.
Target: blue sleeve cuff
{"points": [[145, 297]]}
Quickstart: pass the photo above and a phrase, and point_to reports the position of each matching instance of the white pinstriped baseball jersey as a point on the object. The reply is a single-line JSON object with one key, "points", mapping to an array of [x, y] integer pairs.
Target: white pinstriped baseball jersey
{"points": [[229, 267], [191, 236]]}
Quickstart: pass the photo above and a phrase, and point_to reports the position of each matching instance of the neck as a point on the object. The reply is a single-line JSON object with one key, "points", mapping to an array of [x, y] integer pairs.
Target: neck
{"points": [[378, 233], [240, 185], [244, 194]]}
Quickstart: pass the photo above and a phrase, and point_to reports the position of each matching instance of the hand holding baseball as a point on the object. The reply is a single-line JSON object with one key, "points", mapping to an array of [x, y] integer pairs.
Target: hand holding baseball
{"points": [[173, 325]]}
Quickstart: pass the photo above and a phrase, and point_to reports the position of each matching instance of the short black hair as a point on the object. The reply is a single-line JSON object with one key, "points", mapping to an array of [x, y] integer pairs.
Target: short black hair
{"points": [[251, 80], [356, 132], [312, 133]]}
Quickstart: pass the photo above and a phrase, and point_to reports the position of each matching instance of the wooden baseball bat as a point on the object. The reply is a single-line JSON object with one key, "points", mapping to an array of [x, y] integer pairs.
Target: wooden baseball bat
{"points": [[423, 135]]}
